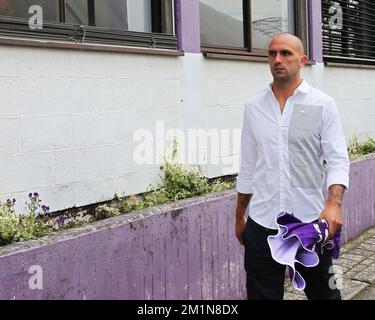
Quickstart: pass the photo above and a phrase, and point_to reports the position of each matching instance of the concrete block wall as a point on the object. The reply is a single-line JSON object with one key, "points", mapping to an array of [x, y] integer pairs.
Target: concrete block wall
{"points": [[353, 90], [68, 118]]}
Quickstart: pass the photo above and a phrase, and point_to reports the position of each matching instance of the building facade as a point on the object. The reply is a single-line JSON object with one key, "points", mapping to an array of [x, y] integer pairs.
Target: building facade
{"points": [[94, 93]]}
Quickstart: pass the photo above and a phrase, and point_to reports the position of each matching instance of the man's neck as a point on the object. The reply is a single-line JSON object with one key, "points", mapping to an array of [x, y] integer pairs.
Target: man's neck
{"points": [[286, 89]]}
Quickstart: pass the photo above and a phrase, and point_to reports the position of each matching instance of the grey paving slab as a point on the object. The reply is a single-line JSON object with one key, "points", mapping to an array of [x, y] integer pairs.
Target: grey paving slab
{"points": [[350, 288], [366, 294]]}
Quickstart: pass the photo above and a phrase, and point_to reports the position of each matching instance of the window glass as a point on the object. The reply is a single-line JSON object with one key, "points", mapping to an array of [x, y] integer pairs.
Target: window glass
{"points": [[114, 14], [270, 17], [20, 8], [77, 12], [221, 23], [139, 15]]}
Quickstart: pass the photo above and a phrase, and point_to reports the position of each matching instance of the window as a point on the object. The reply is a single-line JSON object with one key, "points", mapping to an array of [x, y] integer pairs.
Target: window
{"points": [[222, 23], [146, 23], [245, 27], [349, 31]]}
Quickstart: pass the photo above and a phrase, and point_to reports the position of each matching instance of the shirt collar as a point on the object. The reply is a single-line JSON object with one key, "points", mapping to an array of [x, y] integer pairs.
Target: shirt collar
{"points": [[304, 87]]}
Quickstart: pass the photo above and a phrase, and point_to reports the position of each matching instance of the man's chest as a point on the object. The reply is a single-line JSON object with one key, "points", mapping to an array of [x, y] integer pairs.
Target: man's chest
{"points": [[299, 125]]}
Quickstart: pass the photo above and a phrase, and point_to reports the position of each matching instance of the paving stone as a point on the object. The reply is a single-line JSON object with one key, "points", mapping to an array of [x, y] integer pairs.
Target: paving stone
{"points": [[367, 247], [340, 269], [293, 296], [362, 252], [368, 261], [352, 256], [288, 287], [370, 241], [350, 288], [355, 270], [366, 275], [346, 263], [367, 294]]}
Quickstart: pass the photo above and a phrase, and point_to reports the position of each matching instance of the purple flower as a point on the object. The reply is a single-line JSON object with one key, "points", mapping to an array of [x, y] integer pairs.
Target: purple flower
{"points": [[36, 194], [30, 195], [45, 208], [61, 220]]}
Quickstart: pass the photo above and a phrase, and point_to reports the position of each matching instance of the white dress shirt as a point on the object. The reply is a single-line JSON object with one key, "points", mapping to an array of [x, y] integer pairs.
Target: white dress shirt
{"points": [[282, 154]]}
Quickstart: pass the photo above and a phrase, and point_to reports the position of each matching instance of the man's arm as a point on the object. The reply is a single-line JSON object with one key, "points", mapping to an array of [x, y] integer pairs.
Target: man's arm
{"points": [[243, 201], [245, 183], [336, 155], [332, 210]]}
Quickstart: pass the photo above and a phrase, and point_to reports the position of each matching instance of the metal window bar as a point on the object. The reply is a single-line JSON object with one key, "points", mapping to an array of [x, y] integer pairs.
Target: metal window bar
{"points": [[355, 41]]}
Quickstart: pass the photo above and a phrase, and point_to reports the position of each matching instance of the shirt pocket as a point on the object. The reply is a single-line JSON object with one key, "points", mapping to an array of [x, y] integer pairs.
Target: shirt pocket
{"points": [[306, 117], [304, 147]]}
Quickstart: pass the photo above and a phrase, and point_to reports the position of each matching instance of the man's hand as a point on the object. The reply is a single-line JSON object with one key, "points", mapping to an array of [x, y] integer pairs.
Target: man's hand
{"points": [[332, 210], [243, 201], [240, 227], [332, 214]]}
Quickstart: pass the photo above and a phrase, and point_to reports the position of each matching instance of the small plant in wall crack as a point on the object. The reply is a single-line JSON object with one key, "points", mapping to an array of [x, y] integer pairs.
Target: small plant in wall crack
{"points": [[357, 148], [36, 223], [177, 182], [15, 227]]}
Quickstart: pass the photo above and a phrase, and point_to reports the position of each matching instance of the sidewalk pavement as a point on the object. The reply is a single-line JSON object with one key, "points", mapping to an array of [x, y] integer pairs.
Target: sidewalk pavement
{"points": [[356, 265]]}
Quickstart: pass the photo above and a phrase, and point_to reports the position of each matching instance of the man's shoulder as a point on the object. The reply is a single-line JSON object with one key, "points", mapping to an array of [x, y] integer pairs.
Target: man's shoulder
{"points": [[321, 96], [256, 99]]}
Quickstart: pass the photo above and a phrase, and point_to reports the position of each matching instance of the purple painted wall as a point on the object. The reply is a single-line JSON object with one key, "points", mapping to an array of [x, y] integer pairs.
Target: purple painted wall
{"points": [[359, 201], [188, 25], [315, 30], [185, 250]]}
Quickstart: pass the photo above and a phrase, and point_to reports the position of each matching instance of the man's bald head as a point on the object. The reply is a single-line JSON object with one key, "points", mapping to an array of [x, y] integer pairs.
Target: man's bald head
{"points": [[290, 40], [286, 58]]}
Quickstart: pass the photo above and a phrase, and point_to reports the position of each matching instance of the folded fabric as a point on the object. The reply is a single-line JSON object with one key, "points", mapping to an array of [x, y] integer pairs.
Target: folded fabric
{"points": [[299, 242]]}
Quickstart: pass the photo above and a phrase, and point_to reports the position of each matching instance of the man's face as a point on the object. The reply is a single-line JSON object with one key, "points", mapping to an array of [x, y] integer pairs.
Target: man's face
{"points": [[285, 58]]}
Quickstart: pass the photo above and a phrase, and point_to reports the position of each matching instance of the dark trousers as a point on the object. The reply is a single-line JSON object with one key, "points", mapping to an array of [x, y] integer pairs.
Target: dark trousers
{"points": [[265, 277]]}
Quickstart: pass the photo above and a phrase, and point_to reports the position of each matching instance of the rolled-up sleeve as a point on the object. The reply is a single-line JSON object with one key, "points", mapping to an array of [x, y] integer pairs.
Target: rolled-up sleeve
{"points": [[334, 147], [248, 158]]}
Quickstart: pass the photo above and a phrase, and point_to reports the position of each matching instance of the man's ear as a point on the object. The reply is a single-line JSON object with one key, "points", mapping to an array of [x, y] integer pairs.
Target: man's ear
{"points": [[304, 60]]}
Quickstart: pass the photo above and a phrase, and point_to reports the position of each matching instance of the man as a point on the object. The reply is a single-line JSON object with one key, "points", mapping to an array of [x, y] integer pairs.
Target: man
{"points": [[288, 130]]}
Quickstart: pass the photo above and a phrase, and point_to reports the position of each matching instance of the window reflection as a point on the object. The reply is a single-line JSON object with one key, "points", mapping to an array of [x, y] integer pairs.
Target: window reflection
{"points": [[116, 14], [20, 8], [270, 17], [221, 23]]}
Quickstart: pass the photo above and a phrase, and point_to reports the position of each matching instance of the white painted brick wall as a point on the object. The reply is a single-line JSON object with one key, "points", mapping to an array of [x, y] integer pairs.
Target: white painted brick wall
{"points": [[67, 118]]}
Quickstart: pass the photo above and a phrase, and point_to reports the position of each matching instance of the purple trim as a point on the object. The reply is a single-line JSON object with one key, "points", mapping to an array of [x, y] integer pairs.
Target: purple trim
{"points": [[315, 30], [188, 25]]}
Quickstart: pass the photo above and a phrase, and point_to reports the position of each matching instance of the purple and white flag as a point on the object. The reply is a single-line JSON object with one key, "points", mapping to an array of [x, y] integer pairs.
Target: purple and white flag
{"points": [[299, 242]]}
